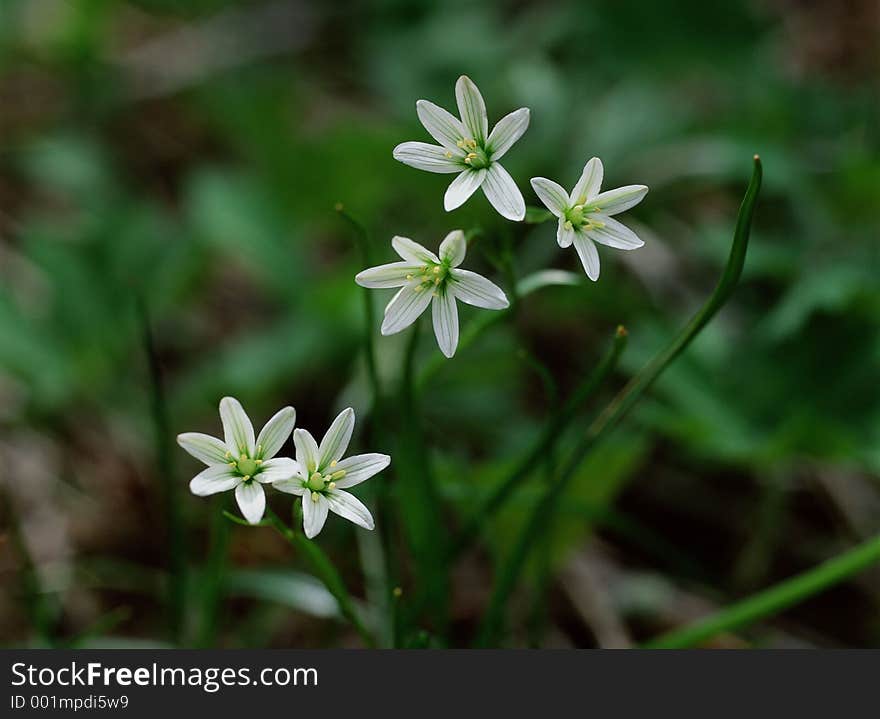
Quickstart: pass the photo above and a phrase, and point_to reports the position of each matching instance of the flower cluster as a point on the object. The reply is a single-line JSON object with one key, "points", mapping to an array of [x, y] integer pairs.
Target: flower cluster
{"points": [[467, 148], [319, 474]]}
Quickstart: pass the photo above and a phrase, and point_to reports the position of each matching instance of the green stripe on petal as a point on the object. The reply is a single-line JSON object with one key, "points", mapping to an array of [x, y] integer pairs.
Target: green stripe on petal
{"points": [[218, 478], [552, 194], [445, 317], [507, 131], [394, 274], [613, 202], [276, 432], [404, 308], [462, 187], [306, 450], [444, 127], [348, 506], [453, 248], [472, 108], [476, 290], [203, 447], [589, 184], [503, 194], [430, 158], [335, 441], [237, 428], [412, 251], [360, 467]]}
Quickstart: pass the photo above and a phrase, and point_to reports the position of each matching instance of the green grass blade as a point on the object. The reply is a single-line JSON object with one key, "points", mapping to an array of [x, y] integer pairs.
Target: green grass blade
{"points": [[775, 599]]}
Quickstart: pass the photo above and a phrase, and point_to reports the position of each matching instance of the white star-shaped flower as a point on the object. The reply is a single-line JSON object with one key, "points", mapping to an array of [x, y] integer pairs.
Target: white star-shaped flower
{"points": [[323, 475], [423, 277], [467, 147], [585, 214], [240, 461]]}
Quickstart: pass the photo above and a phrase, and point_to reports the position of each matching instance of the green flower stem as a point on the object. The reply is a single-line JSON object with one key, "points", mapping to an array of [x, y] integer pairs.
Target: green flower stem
{"points": [[363, 243], [213, 576], [376, 549], [618, 408], [544, 445], [161, 432], [638, 385], [325, 571], [417, 494], [775, 599]]}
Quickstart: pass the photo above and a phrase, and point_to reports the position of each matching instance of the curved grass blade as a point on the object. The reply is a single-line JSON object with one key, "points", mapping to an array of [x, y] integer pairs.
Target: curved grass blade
{"points": [[773, 600], [618, 408]]}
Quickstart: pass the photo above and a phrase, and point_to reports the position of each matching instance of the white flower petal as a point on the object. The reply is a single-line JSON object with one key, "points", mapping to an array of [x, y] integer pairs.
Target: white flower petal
{"points": [[564, 236], [335, 441], [552, 194], [503, 194], [472, 108], [217, 478], [394, 274], [404, 308], [280, 468], [290, 486], [432, 158], [614, 234], [203, 447], [444, 127], [589, 184], [477, 290], [350, 507], [237, 428], [613, 202], [360, 468], [276, 432], [445, 315], [412, 251], [507, 131], [462, 187], [453, 248], [589, 255], [314, 514], [306, 450], [251, 501]]}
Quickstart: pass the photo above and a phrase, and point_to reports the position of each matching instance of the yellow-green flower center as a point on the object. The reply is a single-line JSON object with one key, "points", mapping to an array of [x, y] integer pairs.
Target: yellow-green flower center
{"points": [[324, 480], [476, 155], [579, 216], [431, 277], [246, 466]]}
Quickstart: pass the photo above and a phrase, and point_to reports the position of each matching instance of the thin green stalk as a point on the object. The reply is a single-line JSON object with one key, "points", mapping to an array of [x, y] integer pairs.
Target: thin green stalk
{"points": [[378, 586], [418, 496], [375, 547], [617, 409], [633, 391], [213, 577], [363, 242], [542, 445], [164, 460], [325, 571], [775, 599]]}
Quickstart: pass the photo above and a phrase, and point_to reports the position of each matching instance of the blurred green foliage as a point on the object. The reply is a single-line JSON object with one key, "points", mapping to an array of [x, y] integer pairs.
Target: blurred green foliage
{"points": [[191, 153]]}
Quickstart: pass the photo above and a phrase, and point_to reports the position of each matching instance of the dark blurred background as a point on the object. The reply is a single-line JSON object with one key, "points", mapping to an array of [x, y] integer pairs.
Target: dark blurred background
{"points": [[184, 157]]}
